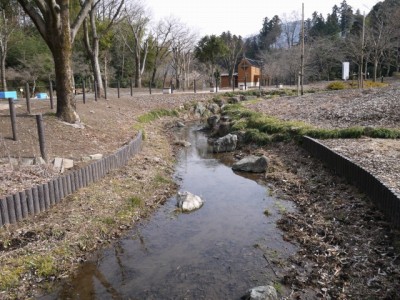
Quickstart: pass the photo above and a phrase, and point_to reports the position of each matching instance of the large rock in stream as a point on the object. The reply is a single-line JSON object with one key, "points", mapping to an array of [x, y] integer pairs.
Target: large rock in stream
{"points": [[225, 144], [252, 163], [266, 292], [188, 201]]}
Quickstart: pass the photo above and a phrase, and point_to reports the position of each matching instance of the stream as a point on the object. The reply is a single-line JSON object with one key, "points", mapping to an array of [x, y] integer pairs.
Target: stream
{"points": [[216, 252]]}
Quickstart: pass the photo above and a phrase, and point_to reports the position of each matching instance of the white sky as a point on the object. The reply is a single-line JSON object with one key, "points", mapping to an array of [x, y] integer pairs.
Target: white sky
{"points": [[242, 17]]}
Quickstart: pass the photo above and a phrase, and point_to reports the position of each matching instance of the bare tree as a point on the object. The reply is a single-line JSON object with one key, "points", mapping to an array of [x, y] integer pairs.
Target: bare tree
{"points": [[101, 19], [182, 52], [234, 45], [7, 25], [291, 28], [163, 35], [135, 36], [382, 32], [325, 55], [52, 19]]}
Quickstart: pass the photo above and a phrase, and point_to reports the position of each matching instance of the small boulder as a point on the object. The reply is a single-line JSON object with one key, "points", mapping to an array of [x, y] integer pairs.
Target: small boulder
{"points": [[57, 164], [27, 162], [213, 121], [39, 161], [252, 163], [234, 100], [183, 143], [67, 164], [214, 108], [226, 143], [180, 124], [199, 109], [188, 201], [96, 156], [266, 292]]}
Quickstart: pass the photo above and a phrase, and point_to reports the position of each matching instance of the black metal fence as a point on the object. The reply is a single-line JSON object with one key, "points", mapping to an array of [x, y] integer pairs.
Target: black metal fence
{"points": [[42, 197], [383, 197]]}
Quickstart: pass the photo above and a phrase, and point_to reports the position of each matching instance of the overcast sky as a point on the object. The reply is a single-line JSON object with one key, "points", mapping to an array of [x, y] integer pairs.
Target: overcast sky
{"points": [[242, 17]]}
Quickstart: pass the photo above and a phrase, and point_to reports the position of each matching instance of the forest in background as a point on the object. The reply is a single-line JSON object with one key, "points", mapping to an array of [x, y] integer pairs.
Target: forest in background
{"points": [[120, 41]]}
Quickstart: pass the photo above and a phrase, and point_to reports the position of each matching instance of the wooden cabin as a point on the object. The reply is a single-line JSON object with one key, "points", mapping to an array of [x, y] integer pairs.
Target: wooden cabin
{"points": [[249, 73], [226, 80]]}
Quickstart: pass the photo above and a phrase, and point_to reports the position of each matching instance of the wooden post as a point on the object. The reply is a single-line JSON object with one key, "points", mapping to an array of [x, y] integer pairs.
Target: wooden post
{"points": [[29, 200], [118, 88], [24, 204], [42, 144], [83, 91], [4, 211], [13, 117], [28, 98], [150, 87], [18, 207], [131, 83], [194, 86], [105, 89], [11, 209], [51, 94], [95, 90]]}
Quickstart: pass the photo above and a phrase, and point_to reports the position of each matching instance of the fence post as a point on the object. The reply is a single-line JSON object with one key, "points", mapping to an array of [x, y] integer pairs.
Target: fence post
{"points": [[51, 94], [28, 98], [150, 87], [13, 118], [118, 87], [83, 91], [40, 128], [105, 89], [194, 86], [131, 83], [95, 90]]}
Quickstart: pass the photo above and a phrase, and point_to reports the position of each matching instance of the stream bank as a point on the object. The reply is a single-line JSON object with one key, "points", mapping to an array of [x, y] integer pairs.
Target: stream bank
{"points": [[217, 252]]}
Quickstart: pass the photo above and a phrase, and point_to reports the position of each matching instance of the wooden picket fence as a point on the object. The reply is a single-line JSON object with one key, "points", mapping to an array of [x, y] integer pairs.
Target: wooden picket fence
{"points": [[42, 197], [384, 198]]}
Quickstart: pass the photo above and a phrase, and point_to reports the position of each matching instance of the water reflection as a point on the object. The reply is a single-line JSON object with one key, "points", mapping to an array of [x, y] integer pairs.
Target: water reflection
{"points": [[213, 253]]}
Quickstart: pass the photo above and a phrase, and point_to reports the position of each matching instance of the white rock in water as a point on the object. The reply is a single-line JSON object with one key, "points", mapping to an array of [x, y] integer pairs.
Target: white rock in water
{"points": [[188, 202], [262, 293]]}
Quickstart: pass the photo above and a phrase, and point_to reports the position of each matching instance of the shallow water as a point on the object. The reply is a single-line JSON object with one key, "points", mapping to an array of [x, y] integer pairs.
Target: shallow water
{"points": [[215, 252]]}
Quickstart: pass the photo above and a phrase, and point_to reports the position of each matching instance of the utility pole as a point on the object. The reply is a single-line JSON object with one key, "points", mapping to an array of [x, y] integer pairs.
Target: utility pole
{"points": [[302, 51], [361, 80]]}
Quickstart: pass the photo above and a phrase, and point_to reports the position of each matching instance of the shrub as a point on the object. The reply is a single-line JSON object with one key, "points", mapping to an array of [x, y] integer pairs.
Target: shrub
{"points": [[257, 137], [336, 85], [382, 133], [352, 132]]}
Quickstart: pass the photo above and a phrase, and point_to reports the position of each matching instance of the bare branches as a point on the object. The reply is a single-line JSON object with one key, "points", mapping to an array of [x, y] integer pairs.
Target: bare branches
{"points": [[79, 19]]}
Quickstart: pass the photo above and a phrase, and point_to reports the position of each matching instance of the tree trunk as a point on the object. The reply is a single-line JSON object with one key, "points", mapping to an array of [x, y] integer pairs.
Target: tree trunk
{"points": [[153, 75], [3, 72], [138, 75], [61, 48], [375, 69]]}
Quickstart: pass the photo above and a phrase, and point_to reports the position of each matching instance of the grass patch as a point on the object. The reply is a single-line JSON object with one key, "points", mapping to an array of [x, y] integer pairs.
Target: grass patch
{"points": [[262, 129], [255, 136], [135, 202], [159, 179], [108, 221], [157, 114], [44, 266], [10, 276], [278, 287], [342, 85], [382, 133], [337, 85]]}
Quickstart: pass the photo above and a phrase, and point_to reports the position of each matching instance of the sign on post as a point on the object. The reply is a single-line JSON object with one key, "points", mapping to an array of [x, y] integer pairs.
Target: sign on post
{"points": [[345, 70]]}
